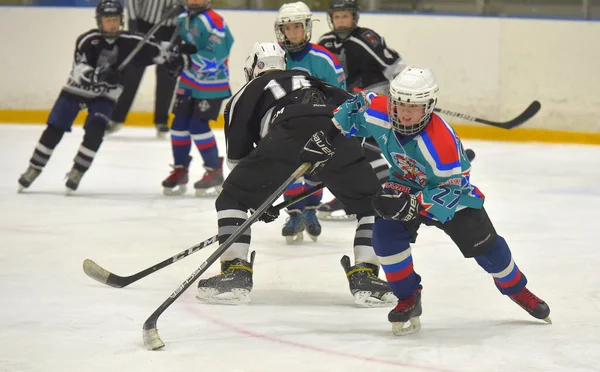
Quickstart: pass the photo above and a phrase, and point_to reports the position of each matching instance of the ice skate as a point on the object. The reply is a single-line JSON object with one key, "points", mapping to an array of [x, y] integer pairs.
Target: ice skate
{"points": [[405, 316], [532, 304], [27, 178], [293, 230], [175, 184], [333, 211], [366, 286], [161, 130], [73, 178], [313, 227], [212, 181], [232, 286], [113, 127]]}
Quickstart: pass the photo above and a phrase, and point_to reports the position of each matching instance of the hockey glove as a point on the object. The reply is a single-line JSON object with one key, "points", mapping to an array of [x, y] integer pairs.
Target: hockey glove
{"points": [[317, 151], [392, 204], [108, 75], [133, 25], [269, 215]]}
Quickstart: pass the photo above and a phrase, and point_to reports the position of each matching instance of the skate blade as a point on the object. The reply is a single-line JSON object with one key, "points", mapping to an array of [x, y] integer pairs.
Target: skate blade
{"points": [[295, 239], [211, 191], [20, 189], [237, 296], [113, 129], [401, 329], [364, 299], [333, 216], [176, 191], [547, 320], [313, 237], [69, 191], [161, 135]]}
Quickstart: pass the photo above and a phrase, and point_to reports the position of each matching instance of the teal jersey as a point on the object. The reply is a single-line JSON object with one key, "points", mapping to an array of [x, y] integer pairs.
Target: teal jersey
{"points": [[207, 76], [320, 63], [431, 165]]}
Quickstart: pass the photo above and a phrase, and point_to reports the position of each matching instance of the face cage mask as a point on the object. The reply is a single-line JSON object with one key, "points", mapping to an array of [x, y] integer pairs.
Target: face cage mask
{"points": [[286, 44], [413, 129], [343, 33]]}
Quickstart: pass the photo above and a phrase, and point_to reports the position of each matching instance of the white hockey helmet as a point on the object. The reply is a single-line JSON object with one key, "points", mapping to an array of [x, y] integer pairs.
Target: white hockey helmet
{"points": [[415, 86], [263, 57], [293, 13]]}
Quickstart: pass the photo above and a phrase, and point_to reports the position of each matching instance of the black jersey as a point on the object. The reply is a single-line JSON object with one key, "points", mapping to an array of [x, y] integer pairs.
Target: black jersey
{"points": [[249, 112], [367, 60], [93, 50]]}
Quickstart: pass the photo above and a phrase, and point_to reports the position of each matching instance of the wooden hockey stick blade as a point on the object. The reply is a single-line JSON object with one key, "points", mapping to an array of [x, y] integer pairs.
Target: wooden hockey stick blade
{"points": [[529, 112], [149, 331]]}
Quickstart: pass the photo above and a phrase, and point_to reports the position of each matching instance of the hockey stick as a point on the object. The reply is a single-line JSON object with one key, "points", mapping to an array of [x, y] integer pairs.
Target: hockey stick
{"points": [[98, 273], [470, 153], [150, 333], [168, 14], [529, 112]]}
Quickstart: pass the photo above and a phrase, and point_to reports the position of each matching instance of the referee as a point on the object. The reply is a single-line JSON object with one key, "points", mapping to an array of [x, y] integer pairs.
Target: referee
{"points": [[142, 15]]}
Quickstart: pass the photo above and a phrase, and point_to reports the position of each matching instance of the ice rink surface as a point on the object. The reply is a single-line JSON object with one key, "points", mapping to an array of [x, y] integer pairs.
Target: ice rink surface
{"points": [[542, 198]]}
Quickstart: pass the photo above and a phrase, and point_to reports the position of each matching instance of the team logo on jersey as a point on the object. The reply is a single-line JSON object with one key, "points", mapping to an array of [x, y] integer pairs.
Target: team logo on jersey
{"points": [[371, 37], [411, 170], [384, 138], [204, 105]]}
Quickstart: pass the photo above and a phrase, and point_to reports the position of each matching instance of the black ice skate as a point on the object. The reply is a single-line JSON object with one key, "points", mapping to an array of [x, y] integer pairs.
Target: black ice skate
{"points": [[161, 130], [232, 286], [407, 310], [333, 211], [175, 184], [27, 178], [211, 182], [73, 178], [366, 287], [532, 304], [313, 227], [293, 230]]}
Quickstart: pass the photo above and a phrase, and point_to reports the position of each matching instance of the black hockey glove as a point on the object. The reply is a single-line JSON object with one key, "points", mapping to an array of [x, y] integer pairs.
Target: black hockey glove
{"points": [[392, 204], [270, 215], [186, 48], [132, 25], [107, 75], [317, 151]]}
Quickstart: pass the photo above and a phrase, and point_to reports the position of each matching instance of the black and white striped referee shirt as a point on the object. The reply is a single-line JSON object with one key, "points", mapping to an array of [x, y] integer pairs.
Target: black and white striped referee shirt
{"points": [[150, 11]]}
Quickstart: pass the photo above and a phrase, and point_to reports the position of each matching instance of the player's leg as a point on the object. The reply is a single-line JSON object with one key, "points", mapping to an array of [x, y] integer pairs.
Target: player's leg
{"points": [[334, 209], [204, 139], [350, 178], [60, 120], [165, 88], [99, 112], [474, 234], [175, 183], [253, 179]]}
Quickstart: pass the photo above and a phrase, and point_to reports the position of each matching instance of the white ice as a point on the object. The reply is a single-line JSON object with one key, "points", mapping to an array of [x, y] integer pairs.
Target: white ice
{"points": [[542, 198]]}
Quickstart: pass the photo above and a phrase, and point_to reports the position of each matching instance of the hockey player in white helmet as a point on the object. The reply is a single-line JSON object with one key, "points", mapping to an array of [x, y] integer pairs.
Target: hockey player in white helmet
{"points": [[266, 124], [293, 28], [429, 184]]}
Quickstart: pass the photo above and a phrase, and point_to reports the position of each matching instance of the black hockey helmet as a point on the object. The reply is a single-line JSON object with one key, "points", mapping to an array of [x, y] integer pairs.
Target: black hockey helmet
{"points": [[195, 8], [340, 5], [108, 8]]}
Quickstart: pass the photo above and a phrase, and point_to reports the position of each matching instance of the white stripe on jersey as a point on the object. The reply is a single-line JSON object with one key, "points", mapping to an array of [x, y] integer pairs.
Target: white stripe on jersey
{"points": [[339, 70]]}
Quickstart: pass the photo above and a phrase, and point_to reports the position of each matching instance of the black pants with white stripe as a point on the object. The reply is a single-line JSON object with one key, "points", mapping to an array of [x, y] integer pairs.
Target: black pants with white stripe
{"points": [[347, 174], [165, 83]]}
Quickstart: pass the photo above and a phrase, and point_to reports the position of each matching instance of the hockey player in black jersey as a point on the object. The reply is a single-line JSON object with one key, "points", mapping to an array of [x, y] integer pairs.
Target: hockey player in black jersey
{"points": [[267, 123], [368, 63], [94, 83]]}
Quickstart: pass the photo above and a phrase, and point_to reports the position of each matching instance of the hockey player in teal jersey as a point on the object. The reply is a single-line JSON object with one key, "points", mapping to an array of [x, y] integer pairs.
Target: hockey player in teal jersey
{"points": [[203, 85], [293, 28], [429, 184]]}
